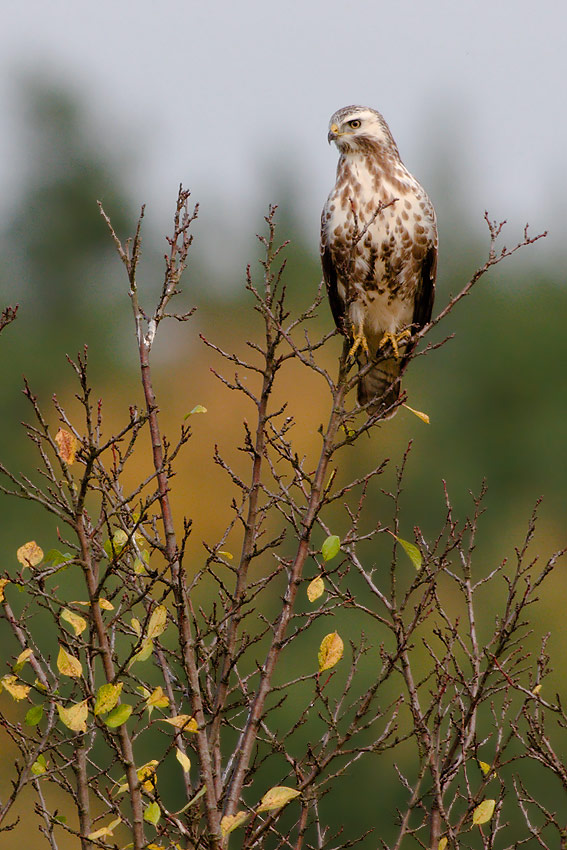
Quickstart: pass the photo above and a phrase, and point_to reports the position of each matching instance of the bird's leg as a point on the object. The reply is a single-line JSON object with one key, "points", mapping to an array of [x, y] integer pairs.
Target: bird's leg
{"points": [[359, 340], [394, 340]]}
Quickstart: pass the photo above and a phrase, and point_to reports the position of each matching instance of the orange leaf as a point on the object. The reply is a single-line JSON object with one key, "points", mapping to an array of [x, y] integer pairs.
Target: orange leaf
{"points": [[67, 444]]}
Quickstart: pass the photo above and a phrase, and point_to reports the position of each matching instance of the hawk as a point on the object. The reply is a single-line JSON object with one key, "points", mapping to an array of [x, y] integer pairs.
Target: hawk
{"points": [[378, 252]]}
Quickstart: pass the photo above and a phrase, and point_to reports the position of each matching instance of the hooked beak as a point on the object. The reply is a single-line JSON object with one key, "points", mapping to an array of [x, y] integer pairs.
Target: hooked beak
{"points": [[333, 133]]}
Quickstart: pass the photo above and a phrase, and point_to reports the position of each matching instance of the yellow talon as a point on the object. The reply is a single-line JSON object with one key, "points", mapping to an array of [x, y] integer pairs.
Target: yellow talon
{"points": [[359, 341], [394, 340]]}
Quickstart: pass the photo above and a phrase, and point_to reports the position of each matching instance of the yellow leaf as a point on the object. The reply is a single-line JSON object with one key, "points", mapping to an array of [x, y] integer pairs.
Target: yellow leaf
{"points": [[68, 664], [483, 812], [78, 623], [147, 775], [424, 418], [197, 409], [330, 651], [183, 760], [21, 660], [228, 555], [536, 690], [107, 697], [182, 721], [230, 822], [277, 797], [442, 843], [315, 589], [103, 603], [153, 846], [135, 623], [157, 699], [30, 554], [486, 768], [74, 718], [67, 444], [147, 769], [144, 774], [105, 830], [158, 622], [3, 583], [15, 689]]}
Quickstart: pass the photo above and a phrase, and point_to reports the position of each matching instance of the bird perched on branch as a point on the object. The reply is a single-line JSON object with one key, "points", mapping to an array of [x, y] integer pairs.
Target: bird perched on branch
{"points": [[378, 251]]}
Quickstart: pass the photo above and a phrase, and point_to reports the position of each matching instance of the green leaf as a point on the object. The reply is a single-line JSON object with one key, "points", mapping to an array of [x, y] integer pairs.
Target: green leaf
{"points": [[144, 653], [331, 547], [483, 812], [106, 698], [152, 813], [197, 409], [118, 715], [113, 547], [193, 800], [141, 565], [39, 766], [412, 552], [33, 715], [55, 557]]}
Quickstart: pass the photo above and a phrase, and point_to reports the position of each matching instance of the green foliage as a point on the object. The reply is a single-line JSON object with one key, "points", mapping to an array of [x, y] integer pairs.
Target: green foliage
{"points": [[331, 547]]}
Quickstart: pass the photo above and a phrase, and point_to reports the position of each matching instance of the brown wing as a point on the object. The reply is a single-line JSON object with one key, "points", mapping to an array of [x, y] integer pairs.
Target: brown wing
{"points": [[330, 277], [425, 293]]}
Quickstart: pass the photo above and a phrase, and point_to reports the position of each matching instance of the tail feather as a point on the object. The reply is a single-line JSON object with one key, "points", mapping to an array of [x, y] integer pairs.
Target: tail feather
{"points": [[381, 387]]}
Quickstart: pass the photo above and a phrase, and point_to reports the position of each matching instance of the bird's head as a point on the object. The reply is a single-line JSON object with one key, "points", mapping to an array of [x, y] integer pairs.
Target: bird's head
{"points": [[354, 127]]}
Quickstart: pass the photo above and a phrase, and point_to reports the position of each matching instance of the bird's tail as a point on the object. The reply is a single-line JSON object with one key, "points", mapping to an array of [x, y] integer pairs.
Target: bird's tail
{"points": [[381, 386]]}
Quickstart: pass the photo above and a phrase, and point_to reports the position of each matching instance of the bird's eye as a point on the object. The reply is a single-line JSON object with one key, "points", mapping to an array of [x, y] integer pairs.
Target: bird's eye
{"points": [[355, 124]]}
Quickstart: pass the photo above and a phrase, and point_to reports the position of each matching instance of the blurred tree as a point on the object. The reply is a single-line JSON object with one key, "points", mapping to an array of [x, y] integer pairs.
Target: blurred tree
{"points": [[56, 250], [57, 262]]}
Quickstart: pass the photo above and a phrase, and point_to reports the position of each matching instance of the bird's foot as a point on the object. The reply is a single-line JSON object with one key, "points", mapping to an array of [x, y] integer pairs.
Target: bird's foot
{"points": [[359, 341], [394, 340]]}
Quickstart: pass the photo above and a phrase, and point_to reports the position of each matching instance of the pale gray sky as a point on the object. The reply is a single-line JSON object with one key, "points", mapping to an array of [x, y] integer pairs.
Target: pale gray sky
{"points": [[223, 95]]}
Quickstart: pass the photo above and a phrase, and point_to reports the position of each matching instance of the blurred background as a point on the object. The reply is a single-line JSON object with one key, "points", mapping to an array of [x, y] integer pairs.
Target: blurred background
{"points": [[123, 101]]}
